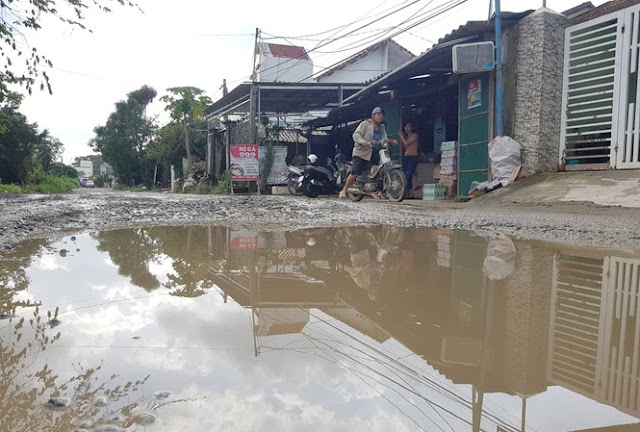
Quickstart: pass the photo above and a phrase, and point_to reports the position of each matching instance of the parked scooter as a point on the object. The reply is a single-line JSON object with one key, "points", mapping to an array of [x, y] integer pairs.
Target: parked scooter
{"points": [[387, 178], [294, 179], [325, 180]]}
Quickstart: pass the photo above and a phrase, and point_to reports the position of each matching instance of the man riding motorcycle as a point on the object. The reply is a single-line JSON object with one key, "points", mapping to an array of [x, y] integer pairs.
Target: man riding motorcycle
{"points": [[369, 133]]}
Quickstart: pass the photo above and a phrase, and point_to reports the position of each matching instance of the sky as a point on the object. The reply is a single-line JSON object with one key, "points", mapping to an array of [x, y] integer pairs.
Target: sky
{"points": [[200, 43]]}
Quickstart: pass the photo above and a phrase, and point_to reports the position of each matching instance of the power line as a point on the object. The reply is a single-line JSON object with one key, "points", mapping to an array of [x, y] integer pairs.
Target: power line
{"points": [[434, 13], [321, 45]]}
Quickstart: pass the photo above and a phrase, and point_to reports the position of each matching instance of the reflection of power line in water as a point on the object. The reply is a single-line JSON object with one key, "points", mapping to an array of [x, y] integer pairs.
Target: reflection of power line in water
{"points": [[439, 385]]}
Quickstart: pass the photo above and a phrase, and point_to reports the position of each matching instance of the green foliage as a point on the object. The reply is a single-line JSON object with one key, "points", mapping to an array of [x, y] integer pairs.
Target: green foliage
{"points": [[186, 105], [9, 188], [267, 163], [224, 184], [123, 140], [22, 17], [24, 151], [61, 170], [49, 184], [17, 146]]}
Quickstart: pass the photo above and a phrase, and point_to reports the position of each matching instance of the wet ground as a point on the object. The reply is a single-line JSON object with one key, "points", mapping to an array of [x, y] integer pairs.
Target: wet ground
{"points": [[578, 222], [355, 328]]}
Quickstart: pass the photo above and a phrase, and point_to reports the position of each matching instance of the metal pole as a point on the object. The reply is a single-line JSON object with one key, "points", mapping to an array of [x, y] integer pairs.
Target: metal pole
{"points": [[499, 84]]}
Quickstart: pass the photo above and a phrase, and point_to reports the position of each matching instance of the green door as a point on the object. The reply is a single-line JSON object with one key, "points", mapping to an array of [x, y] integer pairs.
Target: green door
{"points": [[394, 123], [476, 102]]}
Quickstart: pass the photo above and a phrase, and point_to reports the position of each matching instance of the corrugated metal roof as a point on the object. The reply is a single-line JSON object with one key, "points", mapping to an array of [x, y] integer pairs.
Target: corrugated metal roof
{"points": [[365, 52], [291, 136], [288, 51], [605, 9]]}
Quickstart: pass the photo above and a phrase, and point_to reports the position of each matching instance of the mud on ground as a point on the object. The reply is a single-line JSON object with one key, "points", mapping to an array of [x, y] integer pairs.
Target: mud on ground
{"points": [[576, 223]]}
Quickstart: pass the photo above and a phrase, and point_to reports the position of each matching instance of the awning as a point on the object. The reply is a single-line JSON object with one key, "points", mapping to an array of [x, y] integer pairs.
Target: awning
{"points": [[284, 98]]}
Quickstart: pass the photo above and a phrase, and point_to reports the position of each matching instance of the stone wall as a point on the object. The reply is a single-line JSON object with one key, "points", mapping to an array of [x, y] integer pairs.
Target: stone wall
{"points": [[527, 304], [538, 75]]}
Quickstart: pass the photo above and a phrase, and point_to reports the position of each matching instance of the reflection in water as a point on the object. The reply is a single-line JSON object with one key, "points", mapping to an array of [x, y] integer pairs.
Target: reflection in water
{"points": [[441, 330]]}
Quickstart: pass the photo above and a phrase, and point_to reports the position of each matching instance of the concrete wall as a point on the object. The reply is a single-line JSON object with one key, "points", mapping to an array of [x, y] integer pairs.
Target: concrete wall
{"points": [[538, 89], [397, 57], [371, 66], [276, 69], [362, 70]]}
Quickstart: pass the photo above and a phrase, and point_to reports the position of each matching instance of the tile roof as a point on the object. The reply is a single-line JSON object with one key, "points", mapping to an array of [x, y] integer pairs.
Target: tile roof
{"points": [[605, 9], [288, 51], [365, 52]]}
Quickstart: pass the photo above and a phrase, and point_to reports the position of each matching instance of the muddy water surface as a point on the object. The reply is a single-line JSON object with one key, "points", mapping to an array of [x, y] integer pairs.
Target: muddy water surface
{"points": [[377, 329]]}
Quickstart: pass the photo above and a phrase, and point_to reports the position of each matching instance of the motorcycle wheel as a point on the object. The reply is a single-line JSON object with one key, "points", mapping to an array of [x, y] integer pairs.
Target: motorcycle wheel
{"points": [[310, 190], [355, 197], [292, 185], [395, 183]]}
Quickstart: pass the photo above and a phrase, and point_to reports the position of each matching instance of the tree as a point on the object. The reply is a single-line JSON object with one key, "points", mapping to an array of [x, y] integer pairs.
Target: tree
{"points": [[186, 104], [168, 146], [48, 150], [17, 146], [61, 170], [124, 138], [18, 16]]}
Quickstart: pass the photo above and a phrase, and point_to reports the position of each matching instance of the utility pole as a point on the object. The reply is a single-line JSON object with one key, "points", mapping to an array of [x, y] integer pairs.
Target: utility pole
{"points": [[253, 105], [499, 83]]}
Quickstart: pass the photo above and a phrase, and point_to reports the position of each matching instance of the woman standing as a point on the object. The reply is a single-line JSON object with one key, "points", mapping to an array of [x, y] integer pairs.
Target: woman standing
{"points": [[410, 147]]}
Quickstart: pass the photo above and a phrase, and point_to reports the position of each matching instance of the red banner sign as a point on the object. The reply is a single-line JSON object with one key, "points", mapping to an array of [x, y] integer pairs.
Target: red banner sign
{"points": [[244, 162]]}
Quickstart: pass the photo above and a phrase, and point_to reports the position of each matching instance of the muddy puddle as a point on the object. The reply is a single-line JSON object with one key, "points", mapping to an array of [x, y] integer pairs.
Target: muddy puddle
{"points": [[208, 328]]}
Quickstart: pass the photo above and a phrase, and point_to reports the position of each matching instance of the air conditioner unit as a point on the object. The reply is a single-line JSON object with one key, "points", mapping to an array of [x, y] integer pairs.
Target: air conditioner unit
{"points": [[474, 57]]}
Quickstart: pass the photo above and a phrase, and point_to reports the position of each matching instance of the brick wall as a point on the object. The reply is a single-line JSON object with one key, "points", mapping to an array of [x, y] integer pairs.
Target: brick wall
{"points": [[538, 100]]}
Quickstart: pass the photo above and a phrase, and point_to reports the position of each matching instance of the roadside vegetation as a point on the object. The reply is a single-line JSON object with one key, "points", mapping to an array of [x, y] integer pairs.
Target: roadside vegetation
{"points": [[28, 156]]}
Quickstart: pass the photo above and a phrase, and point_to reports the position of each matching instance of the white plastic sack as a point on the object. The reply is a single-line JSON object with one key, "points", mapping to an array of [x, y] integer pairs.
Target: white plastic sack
{"points": [[504, 154], [501, 258]]}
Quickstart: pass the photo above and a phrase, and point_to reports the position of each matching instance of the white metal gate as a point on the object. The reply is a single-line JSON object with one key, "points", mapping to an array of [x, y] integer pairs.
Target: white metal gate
{"points": [[601, 96], [629, 124], [619, 354]]}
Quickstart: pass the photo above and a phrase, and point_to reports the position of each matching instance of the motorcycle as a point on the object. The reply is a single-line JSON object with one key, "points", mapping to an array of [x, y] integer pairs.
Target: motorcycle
{"points": [[294, 179], [325, 180], [387, 178]]}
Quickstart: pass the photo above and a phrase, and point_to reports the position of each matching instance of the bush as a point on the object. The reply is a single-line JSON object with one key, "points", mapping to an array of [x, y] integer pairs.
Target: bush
{"points": [[9, 188], [224, 184], [52, 184]]}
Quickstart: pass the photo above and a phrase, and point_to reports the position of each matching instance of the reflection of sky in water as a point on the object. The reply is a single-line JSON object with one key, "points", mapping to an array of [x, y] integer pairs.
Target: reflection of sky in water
{"points": [[329, 377]]}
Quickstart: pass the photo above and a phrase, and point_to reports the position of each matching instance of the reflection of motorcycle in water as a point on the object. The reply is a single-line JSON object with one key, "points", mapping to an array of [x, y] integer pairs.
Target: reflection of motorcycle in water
{"points": [[321, 180], [386, 178]]}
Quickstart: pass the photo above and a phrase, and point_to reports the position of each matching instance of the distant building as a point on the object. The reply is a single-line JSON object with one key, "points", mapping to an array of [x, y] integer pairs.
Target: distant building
{"points": [[284, 63], [368, 64], [84, 167]]}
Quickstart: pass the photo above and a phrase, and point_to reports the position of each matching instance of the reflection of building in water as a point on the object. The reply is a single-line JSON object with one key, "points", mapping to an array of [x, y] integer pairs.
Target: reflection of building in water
{"points": [[571, 322], [595, 328]]}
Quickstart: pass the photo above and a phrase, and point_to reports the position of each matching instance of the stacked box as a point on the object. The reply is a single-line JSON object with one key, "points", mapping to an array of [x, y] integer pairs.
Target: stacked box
{"points": [[433, 192], [449, 161]]}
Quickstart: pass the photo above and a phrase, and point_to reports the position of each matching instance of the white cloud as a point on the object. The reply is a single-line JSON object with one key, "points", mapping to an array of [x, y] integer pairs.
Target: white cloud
{"points": [[174, 44]]}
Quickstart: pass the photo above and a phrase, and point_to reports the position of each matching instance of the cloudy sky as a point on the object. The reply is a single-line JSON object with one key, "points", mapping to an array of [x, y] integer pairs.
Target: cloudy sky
{"points": [[199, 43]]}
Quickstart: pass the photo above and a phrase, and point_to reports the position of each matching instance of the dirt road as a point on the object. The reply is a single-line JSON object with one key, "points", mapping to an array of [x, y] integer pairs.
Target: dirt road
{"points": [[578, 223]]}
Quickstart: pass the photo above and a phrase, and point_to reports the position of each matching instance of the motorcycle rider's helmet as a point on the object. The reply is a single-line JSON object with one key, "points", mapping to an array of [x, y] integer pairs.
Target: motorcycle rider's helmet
{"points": [[312, 159]]}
